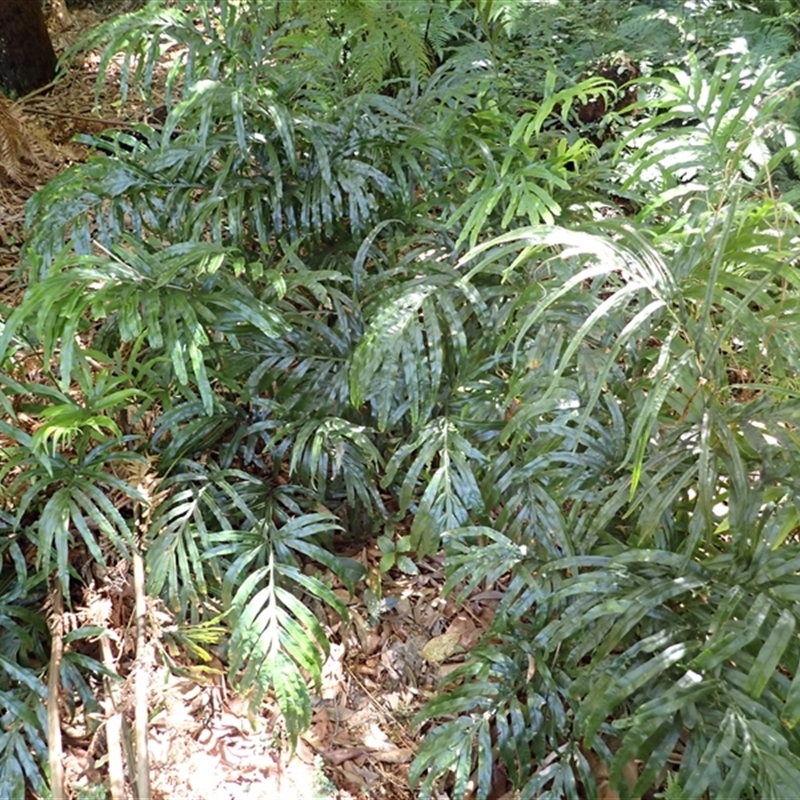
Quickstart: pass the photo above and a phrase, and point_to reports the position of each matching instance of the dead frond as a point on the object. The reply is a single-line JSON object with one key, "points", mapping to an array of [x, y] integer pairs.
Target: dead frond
{"points": [[26, 157]]}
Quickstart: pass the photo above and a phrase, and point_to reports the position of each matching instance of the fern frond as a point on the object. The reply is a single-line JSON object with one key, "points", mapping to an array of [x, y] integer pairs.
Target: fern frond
{"points": [[26, 157], [272, 628]]}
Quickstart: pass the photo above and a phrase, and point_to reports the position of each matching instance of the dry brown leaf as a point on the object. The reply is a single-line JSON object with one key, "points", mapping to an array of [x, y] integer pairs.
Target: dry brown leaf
{"points": [[395, 755], [446, 669], [340, 755], [26, 157], [468, 633], [305, 752], [600, 774], [319, 730]]}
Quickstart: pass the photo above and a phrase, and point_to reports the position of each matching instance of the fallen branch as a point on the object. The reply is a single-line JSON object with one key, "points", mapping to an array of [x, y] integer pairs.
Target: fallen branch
{"points": [[141, 678], [116, 770], [54, 746]]}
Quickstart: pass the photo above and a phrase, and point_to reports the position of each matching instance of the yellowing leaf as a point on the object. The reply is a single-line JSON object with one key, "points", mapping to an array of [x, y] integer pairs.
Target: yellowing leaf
{"points": [[440, 648]]}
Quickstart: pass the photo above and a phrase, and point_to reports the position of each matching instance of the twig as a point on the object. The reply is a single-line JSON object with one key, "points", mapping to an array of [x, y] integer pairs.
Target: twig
{"points": [[142, 757], [116, 770], [109, 123], [54, 747]]}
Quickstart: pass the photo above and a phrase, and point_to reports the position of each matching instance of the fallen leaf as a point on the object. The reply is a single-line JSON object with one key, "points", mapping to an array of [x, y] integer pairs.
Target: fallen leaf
{"points": [[446, 669], [305, 752], [469, 634], [396, 755], [340, 755], [375, 738], [318, 732], [440, 648]]}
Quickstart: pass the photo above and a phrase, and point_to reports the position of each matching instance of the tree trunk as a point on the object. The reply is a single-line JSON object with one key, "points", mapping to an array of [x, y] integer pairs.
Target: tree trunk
{"points": [[27, 58]]}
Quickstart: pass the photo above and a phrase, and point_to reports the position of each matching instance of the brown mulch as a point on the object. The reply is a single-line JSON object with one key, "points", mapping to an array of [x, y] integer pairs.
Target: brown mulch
{"points": [[384, 663]]}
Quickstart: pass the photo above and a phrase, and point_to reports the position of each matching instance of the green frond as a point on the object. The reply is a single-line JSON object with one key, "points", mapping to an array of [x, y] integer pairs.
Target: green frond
{"points": [[276, 641], [423, 271]]}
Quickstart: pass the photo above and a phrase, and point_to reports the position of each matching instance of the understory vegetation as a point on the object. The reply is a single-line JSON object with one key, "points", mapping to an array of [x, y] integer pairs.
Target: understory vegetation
{"points": [[508, 280]]}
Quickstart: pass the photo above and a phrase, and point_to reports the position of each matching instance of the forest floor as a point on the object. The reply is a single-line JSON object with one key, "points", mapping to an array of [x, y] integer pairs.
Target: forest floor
{"points": [[385, 661]]}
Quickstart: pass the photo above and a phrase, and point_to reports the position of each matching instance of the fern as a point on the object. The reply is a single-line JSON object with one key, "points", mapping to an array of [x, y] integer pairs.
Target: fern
{"points": [[23, 746], [380, 38], [276, 640], [376, 265], [615, 571], [672, 790]]}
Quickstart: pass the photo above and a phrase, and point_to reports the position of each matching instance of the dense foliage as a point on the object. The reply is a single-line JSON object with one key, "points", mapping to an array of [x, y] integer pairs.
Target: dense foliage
{"points": [[523, 274]]}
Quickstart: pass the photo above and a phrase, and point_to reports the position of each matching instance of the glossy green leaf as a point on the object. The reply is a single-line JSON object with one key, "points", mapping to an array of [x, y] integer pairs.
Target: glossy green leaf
{"points": [[769, 657]]}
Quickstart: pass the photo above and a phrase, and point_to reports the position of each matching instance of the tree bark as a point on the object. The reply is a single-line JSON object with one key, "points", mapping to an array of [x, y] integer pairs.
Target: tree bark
{"points": [[27, 58]]}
